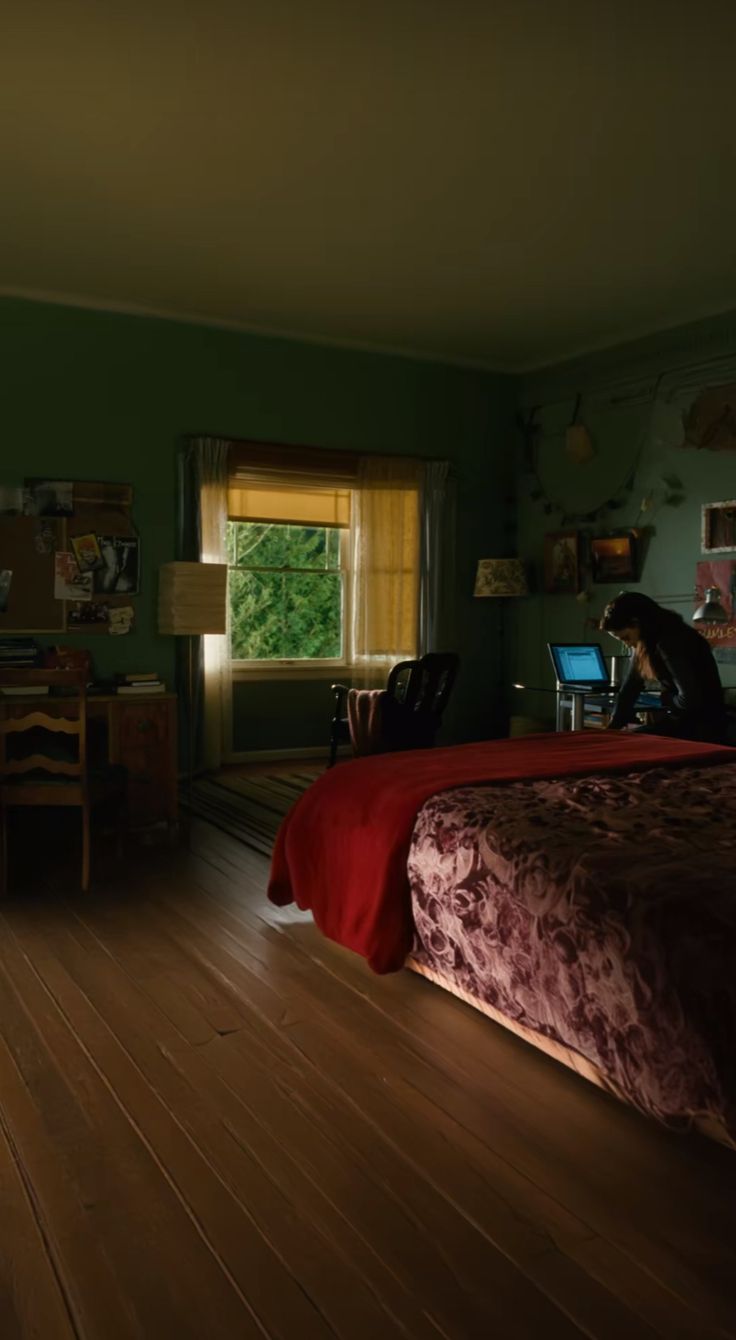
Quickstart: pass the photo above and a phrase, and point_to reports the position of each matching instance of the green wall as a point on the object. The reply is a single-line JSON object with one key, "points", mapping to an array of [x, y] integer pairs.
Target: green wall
{"points": [[102, 395], [633, 398]]}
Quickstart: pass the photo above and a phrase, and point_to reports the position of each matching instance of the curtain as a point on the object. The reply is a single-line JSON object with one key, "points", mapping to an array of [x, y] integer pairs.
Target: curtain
{"points": [[436, 567], [384, 566], [203, 481]]}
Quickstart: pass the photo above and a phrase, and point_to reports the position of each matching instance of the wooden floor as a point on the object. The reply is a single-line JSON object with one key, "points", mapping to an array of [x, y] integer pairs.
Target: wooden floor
{"points": [[215, 1124]]}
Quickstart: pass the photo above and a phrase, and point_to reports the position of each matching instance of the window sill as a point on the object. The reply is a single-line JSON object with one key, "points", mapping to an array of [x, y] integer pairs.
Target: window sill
{"points": [[251, 674]]}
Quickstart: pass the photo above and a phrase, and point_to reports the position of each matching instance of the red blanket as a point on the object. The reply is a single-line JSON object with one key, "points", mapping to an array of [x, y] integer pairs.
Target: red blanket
{"points": [[342, 849]]}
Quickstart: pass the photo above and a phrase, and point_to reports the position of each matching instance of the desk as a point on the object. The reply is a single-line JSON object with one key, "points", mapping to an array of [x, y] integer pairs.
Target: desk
{"points": [[138, 730], [571, 705]]}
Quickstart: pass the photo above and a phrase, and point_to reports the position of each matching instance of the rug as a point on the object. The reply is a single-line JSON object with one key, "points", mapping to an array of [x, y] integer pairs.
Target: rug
{"points": [[249, 808]]}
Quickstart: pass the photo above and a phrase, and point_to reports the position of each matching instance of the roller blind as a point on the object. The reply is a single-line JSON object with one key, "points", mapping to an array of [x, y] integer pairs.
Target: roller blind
{"points": [[294, 506]]}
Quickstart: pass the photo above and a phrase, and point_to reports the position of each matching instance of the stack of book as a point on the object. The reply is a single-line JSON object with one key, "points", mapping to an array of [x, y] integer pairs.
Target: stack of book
{"points": [[596, 713], [148, 682], [18, 653]]}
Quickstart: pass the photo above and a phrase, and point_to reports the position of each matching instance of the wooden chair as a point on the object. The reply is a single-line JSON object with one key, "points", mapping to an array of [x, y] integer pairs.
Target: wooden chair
{"points": [[57, 777], [411, 706]]}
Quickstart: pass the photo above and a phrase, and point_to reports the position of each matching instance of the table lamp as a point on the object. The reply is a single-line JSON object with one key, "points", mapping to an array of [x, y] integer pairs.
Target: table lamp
{"points": [[500, 577], [192, 601]]}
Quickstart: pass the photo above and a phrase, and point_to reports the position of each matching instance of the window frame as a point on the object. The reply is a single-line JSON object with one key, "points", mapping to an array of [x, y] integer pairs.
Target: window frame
{"points": [[299, 667]]}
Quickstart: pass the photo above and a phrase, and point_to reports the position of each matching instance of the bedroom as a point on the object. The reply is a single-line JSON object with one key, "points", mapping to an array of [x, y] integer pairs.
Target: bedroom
{"points": [[214, 1122]]}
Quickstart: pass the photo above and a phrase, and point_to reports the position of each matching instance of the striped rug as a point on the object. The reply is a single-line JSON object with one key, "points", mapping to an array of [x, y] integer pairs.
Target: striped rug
{"points": [[249, 808]]}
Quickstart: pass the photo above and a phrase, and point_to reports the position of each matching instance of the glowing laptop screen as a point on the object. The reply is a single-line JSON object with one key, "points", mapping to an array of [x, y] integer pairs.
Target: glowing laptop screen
{"points": [[578, 663]]}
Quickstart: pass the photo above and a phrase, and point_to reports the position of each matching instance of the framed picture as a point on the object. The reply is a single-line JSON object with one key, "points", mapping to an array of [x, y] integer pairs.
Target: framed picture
{"points": [[614, 558], [718, 527], [561, 563]]}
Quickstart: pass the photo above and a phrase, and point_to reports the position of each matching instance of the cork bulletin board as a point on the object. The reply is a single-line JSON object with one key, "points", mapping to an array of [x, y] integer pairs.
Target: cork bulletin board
{"points": [[28, 548]]}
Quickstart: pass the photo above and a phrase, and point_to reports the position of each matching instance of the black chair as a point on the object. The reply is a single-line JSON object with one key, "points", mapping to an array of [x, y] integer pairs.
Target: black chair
{"points": [[410, 707]]}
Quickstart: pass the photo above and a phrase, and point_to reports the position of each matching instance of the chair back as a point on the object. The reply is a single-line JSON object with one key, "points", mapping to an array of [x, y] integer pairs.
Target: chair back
{"points": [[21, 717], [424, 685]]}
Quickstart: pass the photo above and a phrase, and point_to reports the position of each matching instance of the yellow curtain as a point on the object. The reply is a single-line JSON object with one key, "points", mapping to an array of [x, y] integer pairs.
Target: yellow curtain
{"points": [[385, 557]]}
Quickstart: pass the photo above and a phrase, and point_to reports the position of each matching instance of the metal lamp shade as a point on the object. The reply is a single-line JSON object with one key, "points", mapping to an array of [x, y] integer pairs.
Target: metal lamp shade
{"points": [[711, 611]]}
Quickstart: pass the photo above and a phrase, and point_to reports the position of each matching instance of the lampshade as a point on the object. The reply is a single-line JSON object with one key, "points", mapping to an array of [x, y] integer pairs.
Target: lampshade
{"points": [[711, 611], [500, 577], [192, 598]]}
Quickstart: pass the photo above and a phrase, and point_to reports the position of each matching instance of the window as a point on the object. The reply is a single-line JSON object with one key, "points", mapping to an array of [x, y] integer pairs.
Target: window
{"points": [[324, 567], [288, 597]]}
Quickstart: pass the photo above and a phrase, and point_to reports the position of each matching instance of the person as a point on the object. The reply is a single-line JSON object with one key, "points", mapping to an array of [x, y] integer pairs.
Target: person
{"points": [[665, 648]]}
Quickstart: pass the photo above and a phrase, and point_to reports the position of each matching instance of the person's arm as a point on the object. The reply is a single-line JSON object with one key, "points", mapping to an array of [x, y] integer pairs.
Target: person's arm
{"points": [[689, 691], [623, 712]]}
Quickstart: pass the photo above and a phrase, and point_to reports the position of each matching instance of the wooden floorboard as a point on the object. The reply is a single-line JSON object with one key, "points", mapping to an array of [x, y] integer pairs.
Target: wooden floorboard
{"points": [[214, 1123]]}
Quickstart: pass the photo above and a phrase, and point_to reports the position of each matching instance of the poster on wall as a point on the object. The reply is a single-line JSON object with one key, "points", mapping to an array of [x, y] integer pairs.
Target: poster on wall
{"points": [[720, 573]]}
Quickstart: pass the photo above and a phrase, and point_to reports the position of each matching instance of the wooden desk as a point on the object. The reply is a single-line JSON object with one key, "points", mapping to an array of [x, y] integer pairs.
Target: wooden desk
{"points": [[138, 730]]}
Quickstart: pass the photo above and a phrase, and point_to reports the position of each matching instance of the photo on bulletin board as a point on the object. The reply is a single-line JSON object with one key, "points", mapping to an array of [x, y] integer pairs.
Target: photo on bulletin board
{"points": [[92, 614], [6, 577], [87, 552], [119, 571], [48, 497]]}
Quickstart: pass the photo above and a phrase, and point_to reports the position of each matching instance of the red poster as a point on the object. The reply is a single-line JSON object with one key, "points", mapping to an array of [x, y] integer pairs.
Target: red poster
{"points": [[720, 573]]}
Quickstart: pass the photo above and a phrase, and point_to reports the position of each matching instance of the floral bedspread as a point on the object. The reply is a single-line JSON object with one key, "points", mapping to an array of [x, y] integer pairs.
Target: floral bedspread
{"points": [[599, 911]]}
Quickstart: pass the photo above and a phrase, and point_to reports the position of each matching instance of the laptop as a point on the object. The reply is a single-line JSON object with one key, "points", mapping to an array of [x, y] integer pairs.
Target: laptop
{"points": [[580, 665]]}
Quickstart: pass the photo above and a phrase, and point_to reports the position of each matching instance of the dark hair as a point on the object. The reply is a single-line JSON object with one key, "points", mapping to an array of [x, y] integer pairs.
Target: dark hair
{"points": [[630, 608]]}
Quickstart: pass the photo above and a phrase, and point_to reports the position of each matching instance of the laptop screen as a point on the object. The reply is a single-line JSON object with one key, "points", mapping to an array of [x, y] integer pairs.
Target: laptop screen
{"points": [[578, 663]]}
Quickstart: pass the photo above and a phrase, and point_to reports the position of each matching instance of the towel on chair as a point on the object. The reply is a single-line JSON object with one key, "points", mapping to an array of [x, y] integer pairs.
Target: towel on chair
{"points": [[379, 724], [366, 721]]}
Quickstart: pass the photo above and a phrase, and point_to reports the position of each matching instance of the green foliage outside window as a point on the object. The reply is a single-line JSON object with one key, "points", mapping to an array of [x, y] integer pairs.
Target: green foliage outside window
{"points": [[285, 591]]}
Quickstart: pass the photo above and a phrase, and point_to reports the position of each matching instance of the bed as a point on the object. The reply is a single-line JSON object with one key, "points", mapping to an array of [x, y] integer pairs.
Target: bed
{"points": [[580, 889]]}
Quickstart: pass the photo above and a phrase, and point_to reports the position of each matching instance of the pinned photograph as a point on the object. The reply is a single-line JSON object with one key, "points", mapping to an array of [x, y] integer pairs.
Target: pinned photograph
{"points": [[121, 619], [69, 582], [120, 570], [87, 552], [6, 578], [48, 497], [81, 615]]}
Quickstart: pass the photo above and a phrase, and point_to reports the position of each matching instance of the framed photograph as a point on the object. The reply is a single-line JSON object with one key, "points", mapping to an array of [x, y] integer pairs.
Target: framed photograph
{"points": [[561, 563], [119, 572], [718, 527], [614, 558]]}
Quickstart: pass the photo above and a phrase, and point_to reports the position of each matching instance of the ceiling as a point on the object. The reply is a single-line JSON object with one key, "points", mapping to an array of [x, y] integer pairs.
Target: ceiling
{"points": [[501, 182]]}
